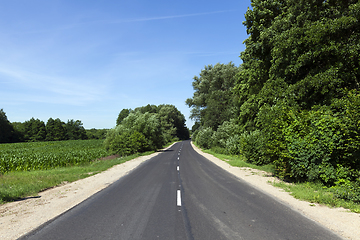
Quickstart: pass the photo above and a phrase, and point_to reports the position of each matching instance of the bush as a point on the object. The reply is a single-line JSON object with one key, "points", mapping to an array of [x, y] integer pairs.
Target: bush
{"points": [[347, 190], [317, 145], [127, 143], [204, 138], [223, 133], [138, 132], [233, 145], [253, 147]]}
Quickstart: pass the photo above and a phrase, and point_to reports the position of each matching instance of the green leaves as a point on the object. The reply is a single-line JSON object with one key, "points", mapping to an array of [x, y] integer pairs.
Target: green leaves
{"points": [[146, 128], [212, 102], [47, 155]]}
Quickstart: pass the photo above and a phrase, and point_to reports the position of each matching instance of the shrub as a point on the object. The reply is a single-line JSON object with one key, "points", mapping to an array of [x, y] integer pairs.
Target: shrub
{"points": [[233, 145], [253, 147], [223, 133], [204, 138]]}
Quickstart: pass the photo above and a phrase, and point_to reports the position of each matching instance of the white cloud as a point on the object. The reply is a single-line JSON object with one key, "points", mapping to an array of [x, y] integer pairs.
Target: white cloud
{"points": [[51, 89]]}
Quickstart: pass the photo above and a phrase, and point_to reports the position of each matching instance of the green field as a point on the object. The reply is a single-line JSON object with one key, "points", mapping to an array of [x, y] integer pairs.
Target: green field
{"points": [[30, 156]]}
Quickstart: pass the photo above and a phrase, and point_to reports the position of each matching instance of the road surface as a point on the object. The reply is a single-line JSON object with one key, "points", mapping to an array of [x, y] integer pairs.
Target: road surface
{"points": [[179, 194]]}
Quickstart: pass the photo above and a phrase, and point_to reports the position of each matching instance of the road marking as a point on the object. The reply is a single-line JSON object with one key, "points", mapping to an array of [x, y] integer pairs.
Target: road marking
{"points": [[178, 198]]}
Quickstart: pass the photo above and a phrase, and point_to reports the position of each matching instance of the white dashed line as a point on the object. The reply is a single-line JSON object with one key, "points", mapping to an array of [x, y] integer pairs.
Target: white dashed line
{"points": [[178, 198]]}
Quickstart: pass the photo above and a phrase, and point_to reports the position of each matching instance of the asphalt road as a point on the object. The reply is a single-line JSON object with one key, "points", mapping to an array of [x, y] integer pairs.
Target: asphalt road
{"points": [[180, 195]]}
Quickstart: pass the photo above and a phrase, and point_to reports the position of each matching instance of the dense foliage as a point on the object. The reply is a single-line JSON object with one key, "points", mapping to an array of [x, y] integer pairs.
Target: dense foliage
{"points": [[145, 128], [295, 98], [35, 130], [47, 155], [7, 131], [212, 103], [96, 133]]}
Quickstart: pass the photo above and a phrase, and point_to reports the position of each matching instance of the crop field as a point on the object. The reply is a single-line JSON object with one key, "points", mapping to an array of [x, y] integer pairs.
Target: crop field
{"points": [[47, 155]]}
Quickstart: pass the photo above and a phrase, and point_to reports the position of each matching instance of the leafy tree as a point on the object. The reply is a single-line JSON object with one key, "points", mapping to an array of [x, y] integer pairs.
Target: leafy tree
{"points": [[123, 114], [172, 122], [34, 130], [7, 132], [18, 131], [55, 130], [301, 58], [147, 109], [212, 103], [96, 133], [75, 130], [146, 128], [147, 124]]}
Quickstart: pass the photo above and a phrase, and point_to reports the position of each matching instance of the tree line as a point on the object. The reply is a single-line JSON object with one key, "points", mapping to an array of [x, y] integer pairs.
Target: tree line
{"points": [[294, 102], [146, 128], [35, 130]]}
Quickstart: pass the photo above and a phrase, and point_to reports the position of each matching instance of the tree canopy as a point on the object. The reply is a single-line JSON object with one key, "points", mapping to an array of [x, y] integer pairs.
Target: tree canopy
{"points": [[6, 129], [36, 130], [212, 103], [294, 101], [146, 128]]}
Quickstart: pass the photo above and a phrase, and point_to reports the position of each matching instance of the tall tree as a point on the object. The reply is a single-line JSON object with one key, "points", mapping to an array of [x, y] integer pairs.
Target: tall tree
{"points": [[7, 131], [303, 52], [123, 114], [212, 102], [173, 122], [75, 130], [55, 130], [34, 130]]}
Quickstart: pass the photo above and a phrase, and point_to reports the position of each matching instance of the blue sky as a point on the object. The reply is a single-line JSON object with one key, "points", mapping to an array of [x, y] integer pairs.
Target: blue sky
{"points": [[87, 60]]}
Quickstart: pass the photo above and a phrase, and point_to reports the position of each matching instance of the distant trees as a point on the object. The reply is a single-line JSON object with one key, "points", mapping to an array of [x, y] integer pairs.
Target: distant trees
{"points": [[55, 130], [146, 128], [7, 132], [96, 133], [75, 130], [36, 130]]}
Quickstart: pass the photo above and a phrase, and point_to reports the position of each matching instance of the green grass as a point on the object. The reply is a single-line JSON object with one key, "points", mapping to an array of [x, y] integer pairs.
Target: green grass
{"points": [[240, 161], [17, 185], [317, 193]]}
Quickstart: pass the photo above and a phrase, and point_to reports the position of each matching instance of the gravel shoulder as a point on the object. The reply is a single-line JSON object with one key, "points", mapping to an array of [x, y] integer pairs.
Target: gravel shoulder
{"points": [[21, 217]]}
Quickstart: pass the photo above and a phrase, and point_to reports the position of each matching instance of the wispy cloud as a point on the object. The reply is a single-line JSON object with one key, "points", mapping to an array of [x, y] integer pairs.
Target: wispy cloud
{"points": [[52, 88], [170, 17], [145, 19]]}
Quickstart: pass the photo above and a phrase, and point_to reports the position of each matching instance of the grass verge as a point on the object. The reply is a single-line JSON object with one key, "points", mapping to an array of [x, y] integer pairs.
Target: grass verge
{"points": [[316, 193], [311, 192], [18, 185]]}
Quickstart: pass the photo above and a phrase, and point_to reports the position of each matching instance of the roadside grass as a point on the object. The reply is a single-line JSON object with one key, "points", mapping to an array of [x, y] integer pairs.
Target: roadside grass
{"points": [[240, 161], [19, 185], [311, 192], [316, 193]]}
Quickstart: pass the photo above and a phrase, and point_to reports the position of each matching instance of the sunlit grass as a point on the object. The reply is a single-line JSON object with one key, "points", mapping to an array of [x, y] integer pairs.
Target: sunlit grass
{"points": [[17, 185]]}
